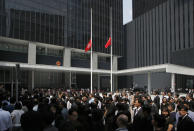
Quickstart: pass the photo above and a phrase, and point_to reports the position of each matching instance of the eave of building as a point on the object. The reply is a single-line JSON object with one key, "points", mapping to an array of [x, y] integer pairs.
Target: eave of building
{"points": [[39, 67], [39, 44], [168, 68]]}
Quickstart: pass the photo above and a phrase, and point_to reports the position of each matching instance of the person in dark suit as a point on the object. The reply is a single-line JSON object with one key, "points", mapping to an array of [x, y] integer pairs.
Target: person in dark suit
{"points": [[141, 120], [157, 100], [189, 99], [185, 123]]}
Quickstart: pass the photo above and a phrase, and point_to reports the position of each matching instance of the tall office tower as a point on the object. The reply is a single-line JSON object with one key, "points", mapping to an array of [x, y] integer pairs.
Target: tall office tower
{"points": [[161, 32]]}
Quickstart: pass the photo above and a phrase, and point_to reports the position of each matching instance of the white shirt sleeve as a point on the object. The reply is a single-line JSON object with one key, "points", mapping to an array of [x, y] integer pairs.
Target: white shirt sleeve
{"points": [[68, 105]]}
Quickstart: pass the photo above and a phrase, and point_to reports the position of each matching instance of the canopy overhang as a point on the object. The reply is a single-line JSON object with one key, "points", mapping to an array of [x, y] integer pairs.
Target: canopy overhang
{"points": [[168, 68]]}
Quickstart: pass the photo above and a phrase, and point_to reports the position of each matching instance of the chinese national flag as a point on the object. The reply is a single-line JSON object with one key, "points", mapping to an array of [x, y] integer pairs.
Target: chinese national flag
{"points": [[89, 45], [108, 43]]}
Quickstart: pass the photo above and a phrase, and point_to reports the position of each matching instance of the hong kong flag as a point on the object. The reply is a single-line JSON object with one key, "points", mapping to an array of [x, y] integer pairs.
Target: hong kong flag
{"points": [[89, 45], [108, 43]]}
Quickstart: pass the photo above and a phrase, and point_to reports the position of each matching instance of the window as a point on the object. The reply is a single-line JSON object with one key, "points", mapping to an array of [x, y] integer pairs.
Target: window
{"points": [[13, 47]]}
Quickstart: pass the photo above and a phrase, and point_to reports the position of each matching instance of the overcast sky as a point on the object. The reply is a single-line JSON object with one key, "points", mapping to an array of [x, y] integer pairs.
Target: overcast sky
{"points": [[127, 11]]}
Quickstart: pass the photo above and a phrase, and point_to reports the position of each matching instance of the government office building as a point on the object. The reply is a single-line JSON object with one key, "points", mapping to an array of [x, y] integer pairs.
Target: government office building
{"points": [[48, 38], [160, 39]]}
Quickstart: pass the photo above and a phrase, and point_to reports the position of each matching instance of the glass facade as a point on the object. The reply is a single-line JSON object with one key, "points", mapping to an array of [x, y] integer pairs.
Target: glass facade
{"points": [[13, 52], [13, 48], [49, 51], [104, 63], [63, 22], [8, 78], [80, 60]]}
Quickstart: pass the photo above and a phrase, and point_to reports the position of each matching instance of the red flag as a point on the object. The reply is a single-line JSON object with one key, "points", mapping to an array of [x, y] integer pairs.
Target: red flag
{"points": [[89, 45], [108, 43]]}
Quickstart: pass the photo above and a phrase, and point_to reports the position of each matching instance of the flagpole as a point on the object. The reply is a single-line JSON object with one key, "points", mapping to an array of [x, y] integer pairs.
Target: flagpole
{"points": [[111, 82], [91, 55]]}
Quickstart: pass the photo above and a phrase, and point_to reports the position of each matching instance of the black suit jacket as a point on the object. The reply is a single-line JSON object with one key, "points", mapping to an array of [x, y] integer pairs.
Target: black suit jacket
{"points": [[191, 105], [186, 124], [142, 123], [157, 101]]}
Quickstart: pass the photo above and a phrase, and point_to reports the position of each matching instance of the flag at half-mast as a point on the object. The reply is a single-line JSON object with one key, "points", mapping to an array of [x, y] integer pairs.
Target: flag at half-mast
{"points": [[108, 43], [89, 45]]}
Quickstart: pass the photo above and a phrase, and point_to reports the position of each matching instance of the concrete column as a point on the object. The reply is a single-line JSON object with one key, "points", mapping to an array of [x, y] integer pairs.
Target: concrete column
{"points": [[173, 83], [31, 61], [95, 61], [32, 54], [67, 63], [115, 63], [67, 57], [149, 83]]}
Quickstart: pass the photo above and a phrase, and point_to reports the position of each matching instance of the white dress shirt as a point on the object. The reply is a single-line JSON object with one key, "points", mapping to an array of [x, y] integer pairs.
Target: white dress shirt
{"points": [[16, 116], [5, 120], [69, 105]]}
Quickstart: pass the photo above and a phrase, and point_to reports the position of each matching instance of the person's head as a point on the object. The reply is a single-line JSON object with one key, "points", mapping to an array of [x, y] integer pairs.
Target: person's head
{"points": [[149, 98], [144, 98], [73, 114], [182, 98], [53, 108], [164, 100], [156, 92], [116, 98], [186, 104], [171, 100], [84, 99], [18, 106], [36, 101], [189, 97], [165, 112], [171, 107], [183, 110], [78, 100], [138, 103], [176, 96], [150, 102], [146, 110], [122, 121], [62, 105], [93, 105], [169, 94], [163, 93]]}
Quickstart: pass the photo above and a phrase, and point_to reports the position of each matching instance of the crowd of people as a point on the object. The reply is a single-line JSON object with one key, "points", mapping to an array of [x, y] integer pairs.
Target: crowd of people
{"points": [[68, 110]]}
